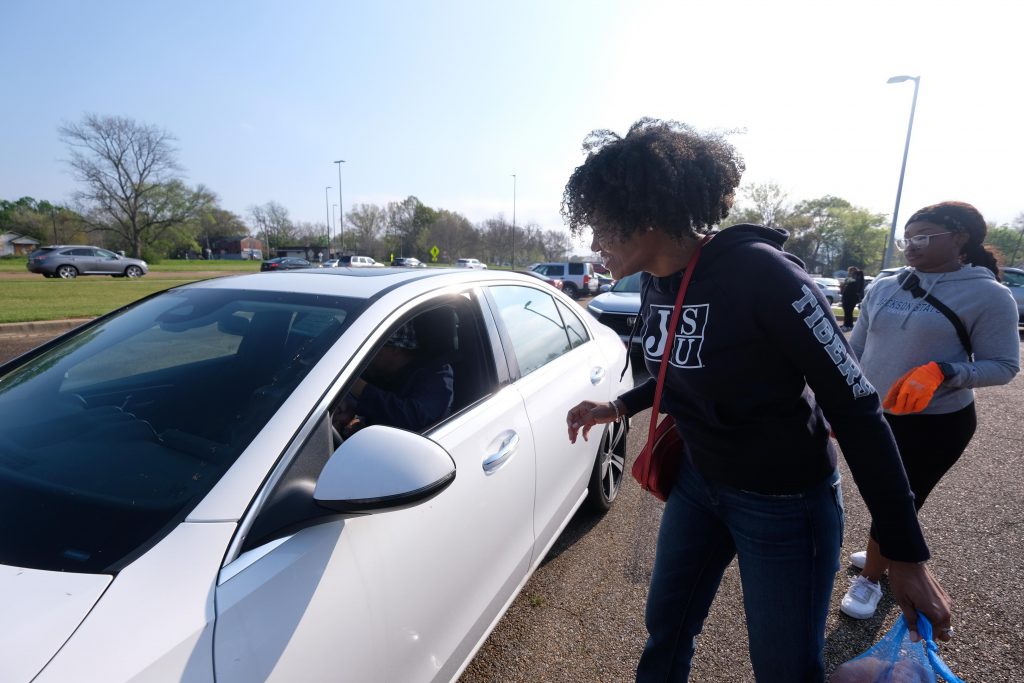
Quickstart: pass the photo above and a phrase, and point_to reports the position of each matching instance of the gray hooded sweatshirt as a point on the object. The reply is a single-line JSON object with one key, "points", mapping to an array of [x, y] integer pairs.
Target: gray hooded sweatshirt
{"points": [[896, 332]]}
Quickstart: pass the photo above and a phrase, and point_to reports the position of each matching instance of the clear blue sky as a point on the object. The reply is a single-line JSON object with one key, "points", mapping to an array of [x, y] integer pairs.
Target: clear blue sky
{"points": [[446, 100]]}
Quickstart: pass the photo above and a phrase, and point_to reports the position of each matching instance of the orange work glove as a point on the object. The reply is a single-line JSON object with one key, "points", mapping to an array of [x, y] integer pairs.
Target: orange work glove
{"points": [[912, 392]]}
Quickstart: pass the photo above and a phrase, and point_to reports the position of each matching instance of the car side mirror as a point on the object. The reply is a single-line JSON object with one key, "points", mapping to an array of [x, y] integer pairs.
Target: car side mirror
{"points": [[604, 289], [382, 468]]}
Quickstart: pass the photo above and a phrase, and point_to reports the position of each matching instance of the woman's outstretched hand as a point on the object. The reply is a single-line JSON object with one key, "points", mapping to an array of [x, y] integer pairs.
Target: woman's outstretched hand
{"points": [[586, 415]]}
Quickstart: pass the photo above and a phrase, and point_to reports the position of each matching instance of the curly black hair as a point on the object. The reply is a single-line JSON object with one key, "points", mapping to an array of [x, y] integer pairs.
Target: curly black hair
{"points": [[962, 217], [663, 174]]}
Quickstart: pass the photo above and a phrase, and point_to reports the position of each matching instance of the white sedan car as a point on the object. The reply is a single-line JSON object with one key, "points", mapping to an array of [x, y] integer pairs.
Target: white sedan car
{"points": [[180, 508], [830, 288]]}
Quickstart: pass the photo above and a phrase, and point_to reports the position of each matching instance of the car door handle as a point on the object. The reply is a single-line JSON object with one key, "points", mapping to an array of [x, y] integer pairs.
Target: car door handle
{"points": [[508, 448], [597, 375]]}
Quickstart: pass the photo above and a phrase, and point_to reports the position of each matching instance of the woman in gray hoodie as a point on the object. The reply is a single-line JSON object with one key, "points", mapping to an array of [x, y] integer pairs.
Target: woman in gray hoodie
{"points": [[925, 364]]}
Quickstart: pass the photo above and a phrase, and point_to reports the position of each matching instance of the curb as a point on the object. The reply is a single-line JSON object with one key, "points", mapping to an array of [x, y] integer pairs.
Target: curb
{"points": [[40, 327]]}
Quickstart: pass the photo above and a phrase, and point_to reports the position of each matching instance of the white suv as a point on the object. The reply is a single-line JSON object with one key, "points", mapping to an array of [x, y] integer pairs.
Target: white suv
{"points": [[578, 277], [470, 263], [358, 262]]}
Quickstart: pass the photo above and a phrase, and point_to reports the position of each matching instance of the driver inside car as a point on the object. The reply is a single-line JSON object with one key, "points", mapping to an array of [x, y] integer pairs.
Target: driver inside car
{"points": [[408, 384]]}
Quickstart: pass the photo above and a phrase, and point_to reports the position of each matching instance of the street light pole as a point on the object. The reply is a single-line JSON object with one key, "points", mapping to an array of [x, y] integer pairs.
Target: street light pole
{"points": [[334, 215], [327, 208], [906, 148], [341, 208], [513, 221]]}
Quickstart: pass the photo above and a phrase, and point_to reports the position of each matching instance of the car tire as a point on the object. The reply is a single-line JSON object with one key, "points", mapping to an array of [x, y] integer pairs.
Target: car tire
{"points": [[609, 467], [570, 290], [66, 272], [133, 272]]}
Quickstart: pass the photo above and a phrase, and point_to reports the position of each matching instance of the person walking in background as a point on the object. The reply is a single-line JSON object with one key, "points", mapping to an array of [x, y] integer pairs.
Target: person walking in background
{"points": [[927, 360], [750, 380], [853, 292]]}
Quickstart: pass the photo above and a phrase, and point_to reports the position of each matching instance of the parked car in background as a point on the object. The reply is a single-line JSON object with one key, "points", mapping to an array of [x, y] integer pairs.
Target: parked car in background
{"points": [[285, 263], [578, 277], [353, 261], [554, 282], [830, 287], [330, 263], [408, 262], [619, 307], [68, 261], [470, 263], [232, 534], [1014, 279]]}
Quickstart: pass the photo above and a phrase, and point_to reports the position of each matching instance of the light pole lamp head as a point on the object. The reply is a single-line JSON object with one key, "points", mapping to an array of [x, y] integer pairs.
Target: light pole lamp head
{"points": [[901, 79], [339, 161]]}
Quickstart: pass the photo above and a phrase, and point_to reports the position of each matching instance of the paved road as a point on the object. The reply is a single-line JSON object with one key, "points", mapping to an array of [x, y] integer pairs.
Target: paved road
{"points": [[580, 617]]}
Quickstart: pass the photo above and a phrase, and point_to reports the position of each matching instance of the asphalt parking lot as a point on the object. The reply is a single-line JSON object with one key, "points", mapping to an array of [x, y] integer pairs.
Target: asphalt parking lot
{"points": [[580, 617]]}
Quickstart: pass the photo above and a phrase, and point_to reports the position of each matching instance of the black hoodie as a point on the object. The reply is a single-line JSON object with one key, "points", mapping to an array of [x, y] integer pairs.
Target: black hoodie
{"points": [[757, 363]]}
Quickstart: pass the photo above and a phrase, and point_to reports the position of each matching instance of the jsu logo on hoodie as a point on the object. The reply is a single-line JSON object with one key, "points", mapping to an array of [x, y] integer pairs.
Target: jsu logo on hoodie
{"points": [[687, 340]]}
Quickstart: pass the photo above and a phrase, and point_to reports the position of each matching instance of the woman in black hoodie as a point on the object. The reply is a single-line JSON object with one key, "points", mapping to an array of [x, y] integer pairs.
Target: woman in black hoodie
{"points": [[853, 292], [751, 377]]}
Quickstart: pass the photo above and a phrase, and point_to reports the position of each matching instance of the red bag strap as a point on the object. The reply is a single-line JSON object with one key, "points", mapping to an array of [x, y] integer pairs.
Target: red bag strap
{"points": [[673, 321]]}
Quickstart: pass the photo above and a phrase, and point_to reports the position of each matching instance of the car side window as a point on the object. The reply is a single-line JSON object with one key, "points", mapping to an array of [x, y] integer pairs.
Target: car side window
{"points": [[103, 253], [78, 252], [1013, 279], [575, 269], [534, 325], [575, 328]]}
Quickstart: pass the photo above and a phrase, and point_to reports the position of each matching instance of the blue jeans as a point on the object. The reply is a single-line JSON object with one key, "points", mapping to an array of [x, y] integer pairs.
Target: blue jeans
{"points": [[788, 550]]}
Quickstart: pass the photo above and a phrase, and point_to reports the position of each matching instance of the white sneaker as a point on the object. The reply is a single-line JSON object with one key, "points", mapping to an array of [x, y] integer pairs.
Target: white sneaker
{"points": [[859, 559], [862, 598]]}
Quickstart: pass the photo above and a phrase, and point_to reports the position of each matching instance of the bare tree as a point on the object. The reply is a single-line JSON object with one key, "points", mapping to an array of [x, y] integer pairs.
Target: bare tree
{"points": [[367, 222], [272, 224], [769, 203], [131, 177]]}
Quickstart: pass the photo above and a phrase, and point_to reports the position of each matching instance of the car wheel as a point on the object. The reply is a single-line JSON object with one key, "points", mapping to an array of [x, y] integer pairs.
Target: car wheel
{"points": [[133, 272], [67, 272], [570, 290], [606, 478]]}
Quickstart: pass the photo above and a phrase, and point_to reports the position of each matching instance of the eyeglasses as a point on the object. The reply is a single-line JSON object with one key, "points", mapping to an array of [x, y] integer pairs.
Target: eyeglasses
{"points": [[919, 241]]}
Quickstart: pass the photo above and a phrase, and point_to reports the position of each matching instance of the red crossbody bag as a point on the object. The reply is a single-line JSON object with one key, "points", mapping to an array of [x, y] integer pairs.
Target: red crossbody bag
{"points": [[658, 464]]}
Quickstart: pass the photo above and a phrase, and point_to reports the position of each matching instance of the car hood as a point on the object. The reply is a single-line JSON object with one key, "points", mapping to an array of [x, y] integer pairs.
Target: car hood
{"points": [[616, 302], [41, 609]]}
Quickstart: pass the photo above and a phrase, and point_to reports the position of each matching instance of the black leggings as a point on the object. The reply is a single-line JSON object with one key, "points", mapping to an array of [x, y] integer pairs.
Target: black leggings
{"points": [[930, 445], [848, 307]]}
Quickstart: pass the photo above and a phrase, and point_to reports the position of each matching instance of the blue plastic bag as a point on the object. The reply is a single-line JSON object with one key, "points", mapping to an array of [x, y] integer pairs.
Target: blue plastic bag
{"points": [[896, 659]]}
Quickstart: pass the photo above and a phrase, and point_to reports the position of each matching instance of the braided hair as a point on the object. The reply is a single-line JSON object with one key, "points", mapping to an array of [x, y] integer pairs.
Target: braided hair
{"points": [[662, 174], [962, 217]]}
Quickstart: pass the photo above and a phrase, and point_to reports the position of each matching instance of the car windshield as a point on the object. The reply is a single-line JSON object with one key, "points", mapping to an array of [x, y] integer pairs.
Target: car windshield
{"points": [[113, 435], [628, 285]]}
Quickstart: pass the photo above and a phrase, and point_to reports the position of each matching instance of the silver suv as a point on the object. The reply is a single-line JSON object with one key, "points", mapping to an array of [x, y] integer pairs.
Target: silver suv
{"points": [[578, 277], [68, 261]]}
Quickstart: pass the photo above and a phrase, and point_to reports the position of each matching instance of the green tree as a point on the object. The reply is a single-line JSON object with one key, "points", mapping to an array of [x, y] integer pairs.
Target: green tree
{"points": [[42, 220], [452, 234], [131, 178], [1007, 240]]}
